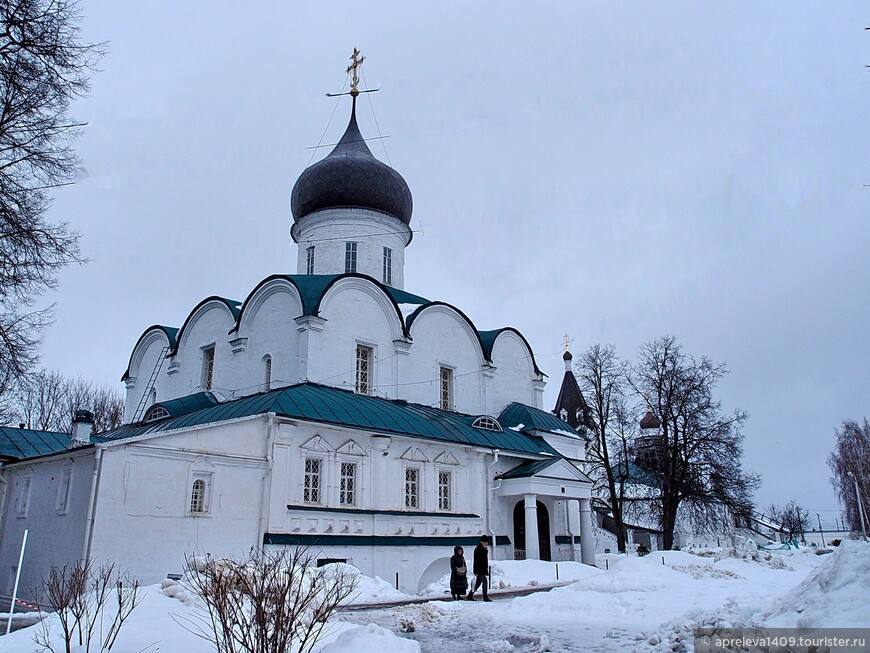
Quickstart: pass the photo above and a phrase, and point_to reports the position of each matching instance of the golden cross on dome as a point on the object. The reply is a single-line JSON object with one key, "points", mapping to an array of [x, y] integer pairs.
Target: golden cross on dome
{"points": [[567, 342], [356, 60]]}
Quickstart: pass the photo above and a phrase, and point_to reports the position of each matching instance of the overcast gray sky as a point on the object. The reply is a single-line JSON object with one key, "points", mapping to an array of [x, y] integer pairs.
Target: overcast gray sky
{"points": [[614, 172]]}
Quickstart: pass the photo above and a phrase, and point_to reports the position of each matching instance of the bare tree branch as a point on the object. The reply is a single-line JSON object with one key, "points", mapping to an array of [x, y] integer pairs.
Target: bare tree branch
{"points": [[43, 67]]}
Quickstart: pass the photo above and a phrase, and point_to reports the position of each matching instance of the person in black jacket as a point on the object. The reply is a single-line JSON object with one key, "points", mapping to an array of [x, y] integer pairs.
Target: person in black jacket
{"points": [[458, 574], [480, 568]]}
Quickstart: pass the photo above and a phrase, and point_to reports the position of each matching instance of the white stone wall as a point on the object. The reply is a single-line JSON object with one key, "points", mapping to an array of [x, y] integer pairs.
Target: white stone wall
{"points": [[142, 363], [514, 374], [143, 519], [329, 230], [356, 312], [442, 337], [267, 328], [56, 527], [322, 349], [381, 468]]}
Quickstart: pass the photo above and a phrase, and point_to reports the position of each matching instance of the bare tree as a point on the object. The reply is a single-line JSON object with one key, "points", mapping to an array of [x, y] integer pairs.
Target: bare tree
{"points": [[92, 605], [792, 517], [47, 401], [43, 66], [699, 472], [602, 377], [851, 454], [269, 602]]}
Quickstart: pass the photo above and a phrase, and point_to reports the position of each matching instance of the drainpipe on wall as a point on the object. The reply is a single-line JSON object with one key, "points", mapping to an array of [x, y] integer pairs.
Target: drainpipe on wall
{"points": [[267, 482], [92, 503], [489, 492]]}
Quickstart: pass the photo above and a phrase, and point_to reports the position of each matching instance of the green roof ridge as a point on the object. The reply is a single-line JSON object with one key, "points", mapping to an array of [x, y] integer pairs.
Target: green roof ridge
{"points": [[319, 403]]}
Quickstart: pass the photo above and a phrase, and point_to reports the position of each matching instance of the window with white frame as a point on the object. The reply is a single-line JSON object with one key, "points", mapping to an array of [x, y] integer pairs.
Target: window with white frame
{"points": [[388, 266], [444, 490], [350, 257], [412, 487], [309, 260], [63, 489], [207, 367], [267, 372], [347, 485], [364, 360], [487, 424], [157, 412], [313, 475], [200, 491], [446, 388], [24, 496]]}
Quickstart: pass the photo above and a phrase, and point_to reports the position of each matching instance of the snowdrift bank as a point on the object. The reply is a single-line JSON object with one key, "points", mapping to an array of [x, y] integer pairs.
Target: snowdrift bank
{"points": [[833, 596]]}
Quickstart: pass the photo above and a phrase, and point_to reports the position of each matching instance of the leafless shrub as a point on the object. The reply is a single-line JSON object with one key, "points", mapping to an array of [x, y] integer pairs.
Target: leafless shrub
{"points": [[269, 602], [85, 599]]}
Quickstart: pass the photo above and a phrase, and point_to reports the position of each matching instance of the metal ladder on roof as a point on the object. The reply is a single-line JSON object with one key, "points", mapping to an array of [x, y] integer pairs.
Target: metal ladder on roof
{"points": [[143, 401]]}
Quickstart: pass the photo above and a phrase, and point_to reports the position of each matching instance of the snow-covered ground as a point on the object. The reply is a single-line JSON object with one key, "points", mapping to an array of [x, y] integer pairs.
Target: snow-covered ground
{"points": [[643, 604]]}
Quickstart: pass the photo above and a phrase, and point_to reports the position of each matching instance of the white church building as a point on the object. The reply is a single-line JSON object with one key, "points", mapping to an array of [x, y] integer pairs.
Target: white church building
{"points": [[330, 408]]}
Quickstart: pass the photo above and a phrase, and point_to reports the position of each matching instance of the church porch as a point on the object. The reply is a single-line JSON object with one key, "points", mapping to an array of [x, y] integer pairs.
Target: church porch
{"points": [[555, 498]]}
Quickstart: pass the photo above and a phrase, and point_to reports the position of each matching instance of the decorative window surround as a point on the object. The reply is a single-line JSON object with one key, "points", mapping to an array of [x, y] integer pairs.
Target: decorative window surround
{"points": [[317, 443], [446, 458], [351, 448], [415, 455]]}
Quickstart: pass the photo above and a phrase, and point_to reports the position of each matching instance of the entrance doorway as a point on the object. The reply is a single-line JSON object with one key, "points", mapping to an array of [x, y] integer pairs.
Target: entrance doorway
{"points": [[543, 529]]}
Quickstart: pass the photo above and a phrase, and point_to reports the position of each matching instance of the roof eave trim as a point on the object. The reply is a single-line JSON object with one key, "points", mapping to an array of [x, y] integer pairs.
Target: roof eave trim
{"points": [[172, 339], [228, 303]]}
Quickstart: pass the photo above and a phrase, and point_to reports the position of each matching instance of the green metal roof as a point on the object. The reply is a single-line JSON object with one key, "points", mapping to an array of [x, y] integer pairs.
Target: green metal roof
{"points": [[318, 403], [526, 418], [529, 469], [312, 288], [488, 338], [188, 404], [27, 443]]}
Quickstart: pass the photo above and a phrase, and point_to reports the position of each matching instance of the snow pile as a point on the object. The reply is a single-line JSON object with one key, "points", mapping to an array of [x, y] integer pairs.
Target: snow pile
{"points": [[169, 618], [834, 595], [155, 623], [368, 589], [176, 590], [706, 571], [409, 617], [370, 639]]}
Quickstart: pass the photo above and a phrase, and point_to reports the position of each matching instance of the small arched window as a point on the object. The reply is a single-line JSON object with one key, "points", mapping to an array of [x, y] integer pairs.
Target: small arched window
{"points": [[267, 378], [487, 424], [157, 412], [197, 497], [563, 415]]}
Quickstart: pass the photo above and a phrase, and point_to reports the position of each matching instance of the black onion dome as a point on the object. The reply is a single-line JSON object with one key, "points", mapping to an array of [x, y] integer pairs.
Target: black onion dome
{"points": [[567, 356], [649, 421], [351, 177]]}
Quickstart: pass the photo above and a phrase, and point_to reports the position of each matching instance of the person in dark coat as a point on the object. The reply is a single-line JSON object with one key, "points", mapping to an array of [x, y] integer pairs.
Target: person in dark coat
{"points": [[458, 573], [480, 568]]}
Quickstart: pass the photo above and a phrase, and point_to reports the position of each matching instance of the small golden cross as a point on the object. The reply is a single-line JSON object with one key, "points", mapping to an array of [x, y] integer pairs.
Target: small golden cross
{"points": [[356, 62], [567, 342]]}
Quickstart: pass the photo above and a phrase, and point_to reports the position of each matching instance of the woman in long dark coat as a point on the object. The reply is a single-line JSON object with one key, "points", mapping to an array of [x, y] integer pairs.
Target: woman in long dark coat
{"points": [[458, 574]]}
